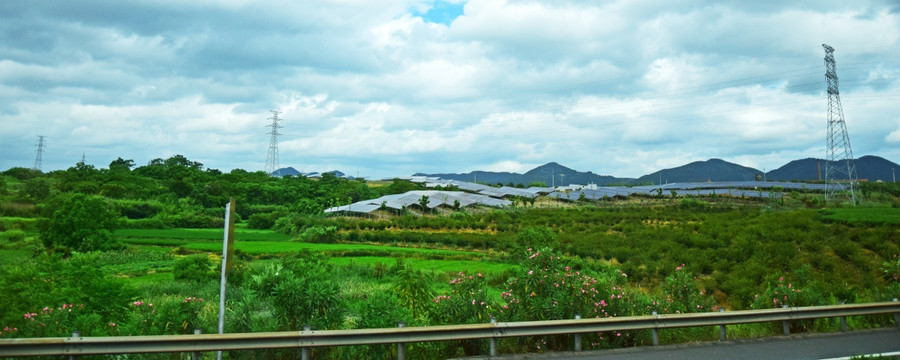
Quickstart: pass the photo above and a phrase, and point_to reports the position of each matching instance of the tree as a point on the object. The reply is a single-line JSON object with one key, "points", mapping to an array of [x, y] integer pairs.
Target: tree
{"points": [[120, 164], [80, 222], [36, 189], [423, 202]]}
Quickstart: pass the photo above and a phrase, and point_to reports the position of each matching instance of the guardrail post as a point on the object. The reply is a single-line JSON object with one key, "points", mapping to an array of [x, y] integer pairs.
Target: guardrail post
{"points": [[196, 354], [493, 339], [401, 347], [304, 352], [843, 320], [722, 334], [786, 324], [655, 332], [896, 317], [577, 336], [75, 335]]}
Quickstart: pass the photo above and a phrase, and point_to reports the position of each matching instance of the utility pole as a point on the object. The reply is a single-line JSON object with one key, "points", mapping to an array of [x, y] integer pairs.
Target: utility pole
{"points": [[272, 157], [39, 153], [893, 176], [561, 178], [839, 160]]}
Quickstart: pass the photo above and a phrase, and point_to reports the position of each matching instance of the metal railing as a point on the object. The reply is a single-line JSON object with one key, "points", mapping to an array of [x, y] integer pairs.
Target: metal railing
{"points": [[305, 339]]}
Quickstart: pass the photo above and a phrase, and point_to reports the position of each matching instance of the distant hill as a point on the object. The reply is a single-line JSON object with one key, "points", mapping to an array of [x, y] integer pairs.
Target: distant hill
{"points": [[548, 173], [871, 168], [709, 170]]}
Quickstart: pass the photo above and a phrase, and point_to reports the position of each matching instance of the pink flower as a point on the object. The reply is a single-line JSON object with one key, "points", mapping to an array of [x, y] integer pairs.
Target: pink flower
{"points": [[112, 324]]}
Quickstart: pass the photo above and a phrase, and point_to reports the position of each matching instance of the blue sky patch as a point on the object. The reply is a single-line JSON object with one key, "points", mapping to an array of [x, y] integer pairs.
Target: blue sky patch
{"points": [[443, 12]]}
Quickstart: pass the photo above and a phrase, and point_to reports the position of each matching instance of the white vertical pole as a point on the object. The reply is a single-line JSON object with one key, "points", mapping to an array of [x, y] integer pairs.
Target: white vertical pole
{"points": [[224, 278]]}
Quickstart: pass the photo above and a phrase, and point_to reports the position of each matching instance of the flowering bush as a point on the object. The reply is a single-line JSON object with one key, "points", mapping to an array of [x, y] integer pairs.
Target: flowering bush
{"points": [[785, 293], [550, 287], [466, 303], [55, 321], [167, 315], [801, 291], [680, 295]]}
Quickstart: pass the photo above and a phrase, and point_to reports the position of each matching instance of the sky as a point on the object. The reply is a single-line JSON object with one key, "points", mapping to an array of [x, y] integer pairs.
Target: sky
{"points": [[384, 88]]}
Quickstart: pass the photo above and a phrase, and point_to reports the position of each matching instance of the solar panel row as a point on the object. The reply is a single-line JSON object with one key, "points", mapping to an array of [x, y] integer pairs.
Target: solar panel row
{"points": [[435, 198]]}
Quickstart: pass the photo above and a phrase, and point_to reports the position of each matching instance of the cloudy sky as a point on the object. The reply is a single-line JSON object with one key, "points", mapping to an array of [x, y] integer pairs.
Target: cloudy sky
{"points": [[386, 88]]}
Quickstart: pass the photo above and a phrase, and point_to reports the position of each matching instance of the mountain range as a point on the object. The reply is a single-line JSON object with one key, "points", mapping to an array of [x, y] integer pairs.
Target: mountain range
{"points": [[869, 168]]}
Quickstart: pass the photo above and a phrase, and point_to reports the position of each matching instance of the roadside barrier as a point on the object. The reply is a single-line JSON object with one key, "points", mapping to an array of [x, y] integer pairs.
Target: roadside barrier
{"points": [[401, 335]]}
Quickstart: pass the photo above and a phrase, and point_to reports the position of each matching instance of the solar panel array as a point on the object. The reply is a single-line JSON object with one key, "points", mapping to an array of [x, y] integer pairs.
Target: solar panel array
{"points": [[736, 185], [479, 194], [498, 192], [435, 198], [751, 189]]}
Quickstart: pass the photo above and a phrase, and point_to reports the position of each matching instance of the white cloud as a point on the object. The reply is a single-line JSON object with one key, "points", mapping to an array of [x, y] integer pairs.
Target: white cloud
{"points": [[619, 87]]}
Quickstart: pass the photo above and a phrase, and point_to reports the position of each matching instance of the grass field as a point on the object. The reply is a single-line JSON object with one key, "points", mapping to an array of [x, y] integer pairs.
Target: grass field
{"points": [[265, 245], [261, 242], [201, 234], [864, 216]]}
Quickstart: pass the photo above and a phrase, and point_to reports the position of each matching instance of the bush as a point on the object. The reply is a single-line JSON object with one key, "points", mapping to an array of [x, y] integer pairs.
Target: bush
{"points": [[13, 236], [80, 222], [319, 234], [136, 209], [530, 239], [50, 279], [302, 291], [264, 220], [197, 268]]}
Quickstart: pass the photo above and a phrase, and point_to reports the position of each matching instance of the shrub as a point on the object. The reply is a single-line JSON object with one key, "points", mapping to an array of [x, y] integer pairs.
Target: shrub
{"points": [[466, 303], [198, 268], [80, 222], [319, 234], [263, 220], [532, 238], [13, 236]]}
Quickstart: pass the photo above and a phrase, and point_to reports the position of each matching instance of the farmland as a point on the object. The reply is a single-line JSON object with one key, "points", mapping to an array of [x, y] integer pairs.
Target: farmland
{"points": [[146, 260]]}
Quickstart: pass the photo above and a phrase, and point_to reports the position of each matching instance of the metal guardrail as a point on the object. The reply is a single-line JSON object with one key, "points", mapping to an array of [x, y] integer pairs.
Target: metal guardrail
{"points": [[401, 335]]}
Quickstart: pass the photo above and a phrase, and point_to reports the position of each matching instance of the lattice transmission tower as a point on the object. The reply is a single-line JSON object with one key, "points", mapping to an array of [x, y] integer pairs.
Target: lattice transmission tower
{"points": [[39, 153], [272, 157], [840, 172]]}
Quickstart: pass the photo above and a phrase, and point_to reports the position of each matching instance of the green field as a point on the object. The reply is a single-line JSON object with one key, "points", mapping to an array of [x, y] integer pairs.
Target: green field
{"points": [[201, 234], [263, 244], [864, 216]]}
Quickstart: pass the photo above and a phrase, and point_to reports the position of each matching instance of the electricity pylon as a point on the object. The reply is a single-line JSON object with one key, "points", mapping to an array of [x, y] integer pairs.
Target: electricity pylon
{"points": [[840, 172]]}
